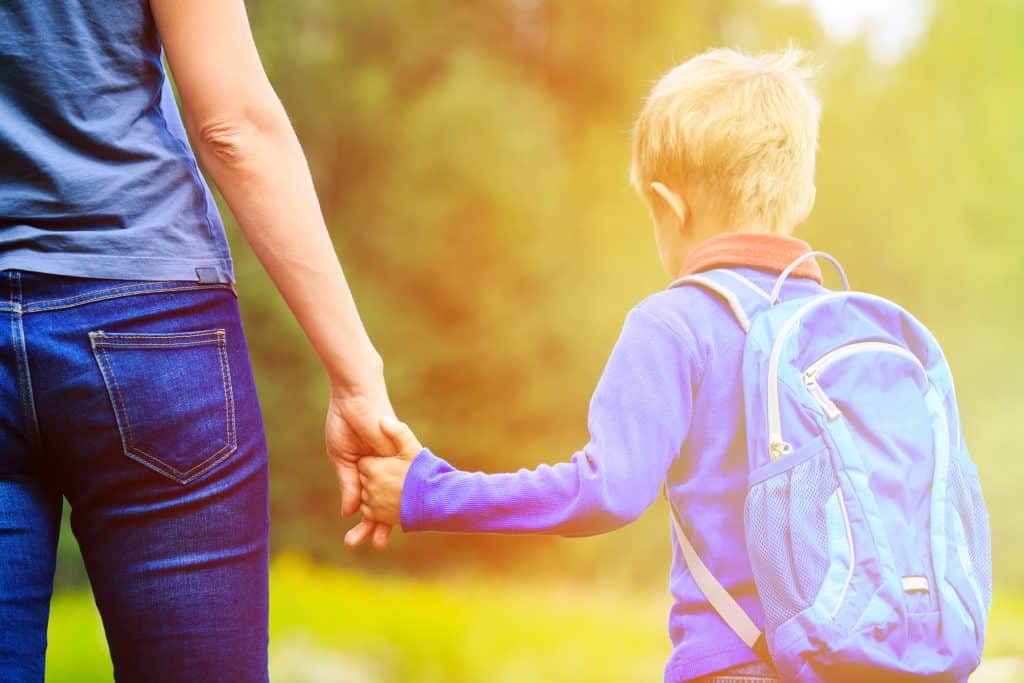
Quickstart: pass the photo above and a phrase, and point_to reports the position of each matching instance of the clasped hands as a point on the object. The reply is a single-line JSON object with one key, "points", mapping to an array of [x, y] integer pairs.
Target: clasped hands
{"points": [[371, 452]]}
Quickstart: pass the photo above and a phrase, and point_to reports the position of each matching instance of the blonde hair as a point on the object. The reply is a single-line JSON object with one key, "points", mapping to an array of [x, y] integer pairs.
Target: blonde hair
{"points": [[738, 133]]}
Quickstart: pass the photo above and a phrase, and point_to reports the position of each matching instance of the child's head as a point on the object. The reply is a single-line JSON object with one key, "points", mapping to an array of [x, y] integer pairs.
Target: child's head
{"points": [[726, 142]]}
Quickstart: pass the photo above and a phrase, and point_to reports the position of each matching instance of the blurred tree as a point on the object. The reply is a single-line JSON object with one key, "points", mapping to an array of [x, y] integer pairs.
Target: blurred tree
{"points": [[471, 159]]}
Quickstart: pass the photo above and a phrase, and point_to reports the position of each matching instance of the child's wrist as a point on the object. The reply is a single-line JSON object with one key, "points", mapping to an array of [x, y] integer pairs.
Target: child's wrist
{"points": [[410, 505]]}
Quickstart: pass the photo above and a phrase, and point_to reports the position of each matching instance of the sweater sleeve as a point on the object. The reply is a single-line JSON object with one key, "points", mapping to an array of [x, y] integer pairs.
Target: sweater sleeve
{"points": [[639, 417]]}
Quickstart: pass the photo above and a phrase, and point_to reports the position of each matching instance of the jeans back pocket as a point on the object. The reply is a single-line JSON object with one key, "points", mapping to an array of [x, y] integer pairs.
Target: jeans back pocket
{"points": [[172, 398]]}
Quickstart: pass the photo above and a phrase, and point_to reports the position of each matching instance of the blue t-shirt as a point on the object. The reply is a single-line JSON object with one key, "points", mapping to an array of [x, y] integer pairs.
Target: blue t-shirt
{"points": [[97, 178]]}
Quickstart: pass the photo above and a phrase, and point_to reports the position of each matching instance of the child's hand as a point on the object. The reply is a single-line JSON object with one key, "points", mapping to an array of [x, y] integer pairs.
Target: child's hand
{"points": [[383, 478]]}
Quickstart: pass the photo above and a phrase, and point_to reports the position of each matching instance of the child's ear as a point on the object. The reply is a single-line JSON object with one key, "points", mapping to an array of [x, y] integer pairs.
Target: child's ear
{"points": [[674, 201]]}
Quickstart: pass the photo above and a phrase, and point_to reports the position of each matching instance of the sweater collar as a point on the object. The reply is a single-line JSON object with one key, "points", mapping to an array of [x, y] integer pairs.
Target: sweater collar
{"points": [[762, 251]]}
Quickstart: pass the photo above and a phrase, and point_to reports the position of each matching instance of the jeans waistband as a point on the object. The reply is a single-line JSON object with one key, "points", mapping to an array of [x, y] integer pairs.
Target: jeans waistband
{"points": [[755, 672], [29, 292]]}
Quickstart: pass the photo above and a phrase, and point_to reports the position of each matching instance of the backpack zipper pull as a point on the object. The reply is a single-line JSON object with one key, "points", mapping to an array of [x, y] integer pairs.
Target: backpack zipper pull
{"points": [[777, 449], [811, 382]]}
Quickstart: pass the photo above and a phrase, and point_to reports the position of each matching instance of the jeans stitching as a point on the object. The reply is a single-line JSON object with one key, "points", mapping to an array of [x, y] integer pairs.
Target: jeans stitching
{"points": [[229, 414], [172, 472], [36, 306], [143, 345], [142, 341], [14, 339], [25, 376], [182, 476], [104, 366], [89, 293], [122, 409], [28, 411], [114, 336], [229, 392], [229, 408]]}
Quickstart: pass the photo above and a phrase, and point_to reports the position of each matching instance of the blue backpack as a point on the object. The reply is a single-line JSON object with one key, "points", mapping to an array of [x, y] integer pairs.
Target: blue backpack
{"points": [[865, 524]]}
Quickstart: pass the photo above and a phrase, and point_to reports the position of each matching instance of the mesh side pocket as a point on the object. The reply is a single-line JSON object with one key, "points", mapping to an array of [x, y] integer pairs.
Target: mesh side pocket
{"points": [[966, 498], [787, 537]]}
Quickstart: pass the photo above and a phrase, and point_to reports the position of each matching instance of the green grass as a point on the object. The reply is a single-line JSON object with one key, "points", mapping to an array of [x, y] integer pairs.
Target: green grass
{"points": [[329, 625]]}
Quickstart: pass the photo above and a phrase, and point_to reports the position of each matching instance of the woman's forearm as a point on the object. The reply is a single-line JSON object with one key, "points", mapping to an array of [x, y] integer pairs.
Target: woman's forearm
{"points": [[257, 163], [245, 142]]}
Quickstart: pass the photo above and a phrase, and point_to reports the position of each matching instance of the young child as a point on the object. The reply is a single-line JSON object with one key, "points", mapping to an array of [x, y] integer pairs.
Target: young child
{"points": [[723, 156]]}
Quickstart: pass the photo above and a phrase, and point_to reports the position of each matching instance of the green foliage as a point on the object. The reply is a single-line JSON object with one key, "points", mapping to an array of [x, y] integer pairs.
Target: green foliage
{"points": [[471, 159], [329, 626]]}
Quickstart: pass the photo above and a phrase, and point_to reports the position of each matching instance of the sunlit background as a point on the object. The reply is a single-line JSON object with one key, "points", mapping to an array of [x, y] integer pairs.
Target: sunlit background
{"points": [[471, 160]]}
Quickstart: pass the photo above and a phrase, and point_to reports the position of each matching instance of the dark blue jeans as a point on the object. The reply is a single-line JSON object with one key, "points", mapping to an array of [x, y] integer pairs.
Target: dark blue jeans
{"points": [[136, 402]]}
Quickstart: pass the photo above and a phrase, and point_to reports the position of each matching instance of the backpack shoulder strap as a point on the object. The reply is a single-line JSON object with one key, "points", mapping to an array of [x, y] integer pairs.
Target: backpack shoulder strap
{"points": [[744, 298], [724, 604]]}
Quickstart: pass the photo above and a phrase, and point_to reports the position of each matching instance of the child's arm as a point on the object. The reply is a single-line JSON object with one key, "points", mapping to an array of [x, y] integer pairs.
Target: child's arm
{"points": [[639, 417]]}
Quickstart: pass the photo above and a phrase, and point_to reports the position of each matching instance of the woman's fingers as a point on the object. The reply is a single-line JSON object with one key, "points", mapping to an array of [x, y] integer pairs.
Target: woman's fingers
{"points": [[358, 534], [348, 484], [362, 417], [381, 534]]}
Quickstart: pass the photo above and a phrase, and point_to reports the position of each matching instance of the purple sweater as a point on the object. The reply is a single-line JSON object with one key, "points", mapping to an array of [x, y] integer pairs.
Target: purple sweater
{"points": [[669, 406]]}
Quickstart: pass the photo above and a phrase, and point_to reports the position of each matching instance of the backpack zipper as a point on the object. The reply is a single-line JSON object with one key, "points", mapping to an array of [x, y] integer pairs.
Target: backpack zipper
{"points": [[815, 370], [777, 446]]}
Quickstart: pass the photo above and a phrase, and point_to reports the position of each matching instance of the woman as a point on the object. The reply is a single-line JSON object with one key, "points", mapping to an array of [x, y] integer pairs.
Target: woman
{"points": [[125, 382]]}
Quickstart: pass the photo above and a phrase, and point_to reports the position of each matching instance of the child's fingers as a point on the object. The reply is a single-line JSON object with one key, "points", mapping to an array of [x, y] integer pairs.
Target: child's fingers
{"points": [[371, 470], [367, 512]]}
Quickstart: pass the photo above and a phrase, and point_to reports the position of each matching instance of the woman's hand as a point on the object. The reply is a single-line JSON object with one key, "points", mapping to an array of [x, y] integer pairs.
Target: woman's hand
{"points": [[383, 479], [353, 432]]}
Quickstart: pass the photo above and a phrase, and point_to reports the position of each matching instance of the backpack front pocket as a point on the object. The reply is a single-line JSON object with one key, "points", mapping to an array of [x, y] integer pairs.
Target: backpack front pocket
{"points": [[172, 398]]}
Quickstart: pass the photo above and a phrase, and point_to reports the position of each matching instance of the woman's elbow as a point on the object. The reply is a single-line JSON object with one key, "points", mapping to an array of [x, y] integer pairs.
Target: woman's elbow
{"points": [[233, 139], [224, 140]]}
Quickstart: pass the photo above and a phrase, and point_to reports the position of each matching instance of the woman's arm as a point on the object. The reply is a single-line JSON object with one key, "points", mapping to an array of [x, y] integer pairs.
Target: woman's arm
{"points": [[244, 140]]}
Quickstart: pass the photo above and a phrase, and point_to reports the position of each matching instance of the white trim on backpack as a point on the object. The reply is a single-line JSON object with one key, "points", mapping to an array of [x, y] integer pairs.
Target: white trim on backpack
{"points": [[746, 281], [721, 290], [724, 604], [731, 611]]}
